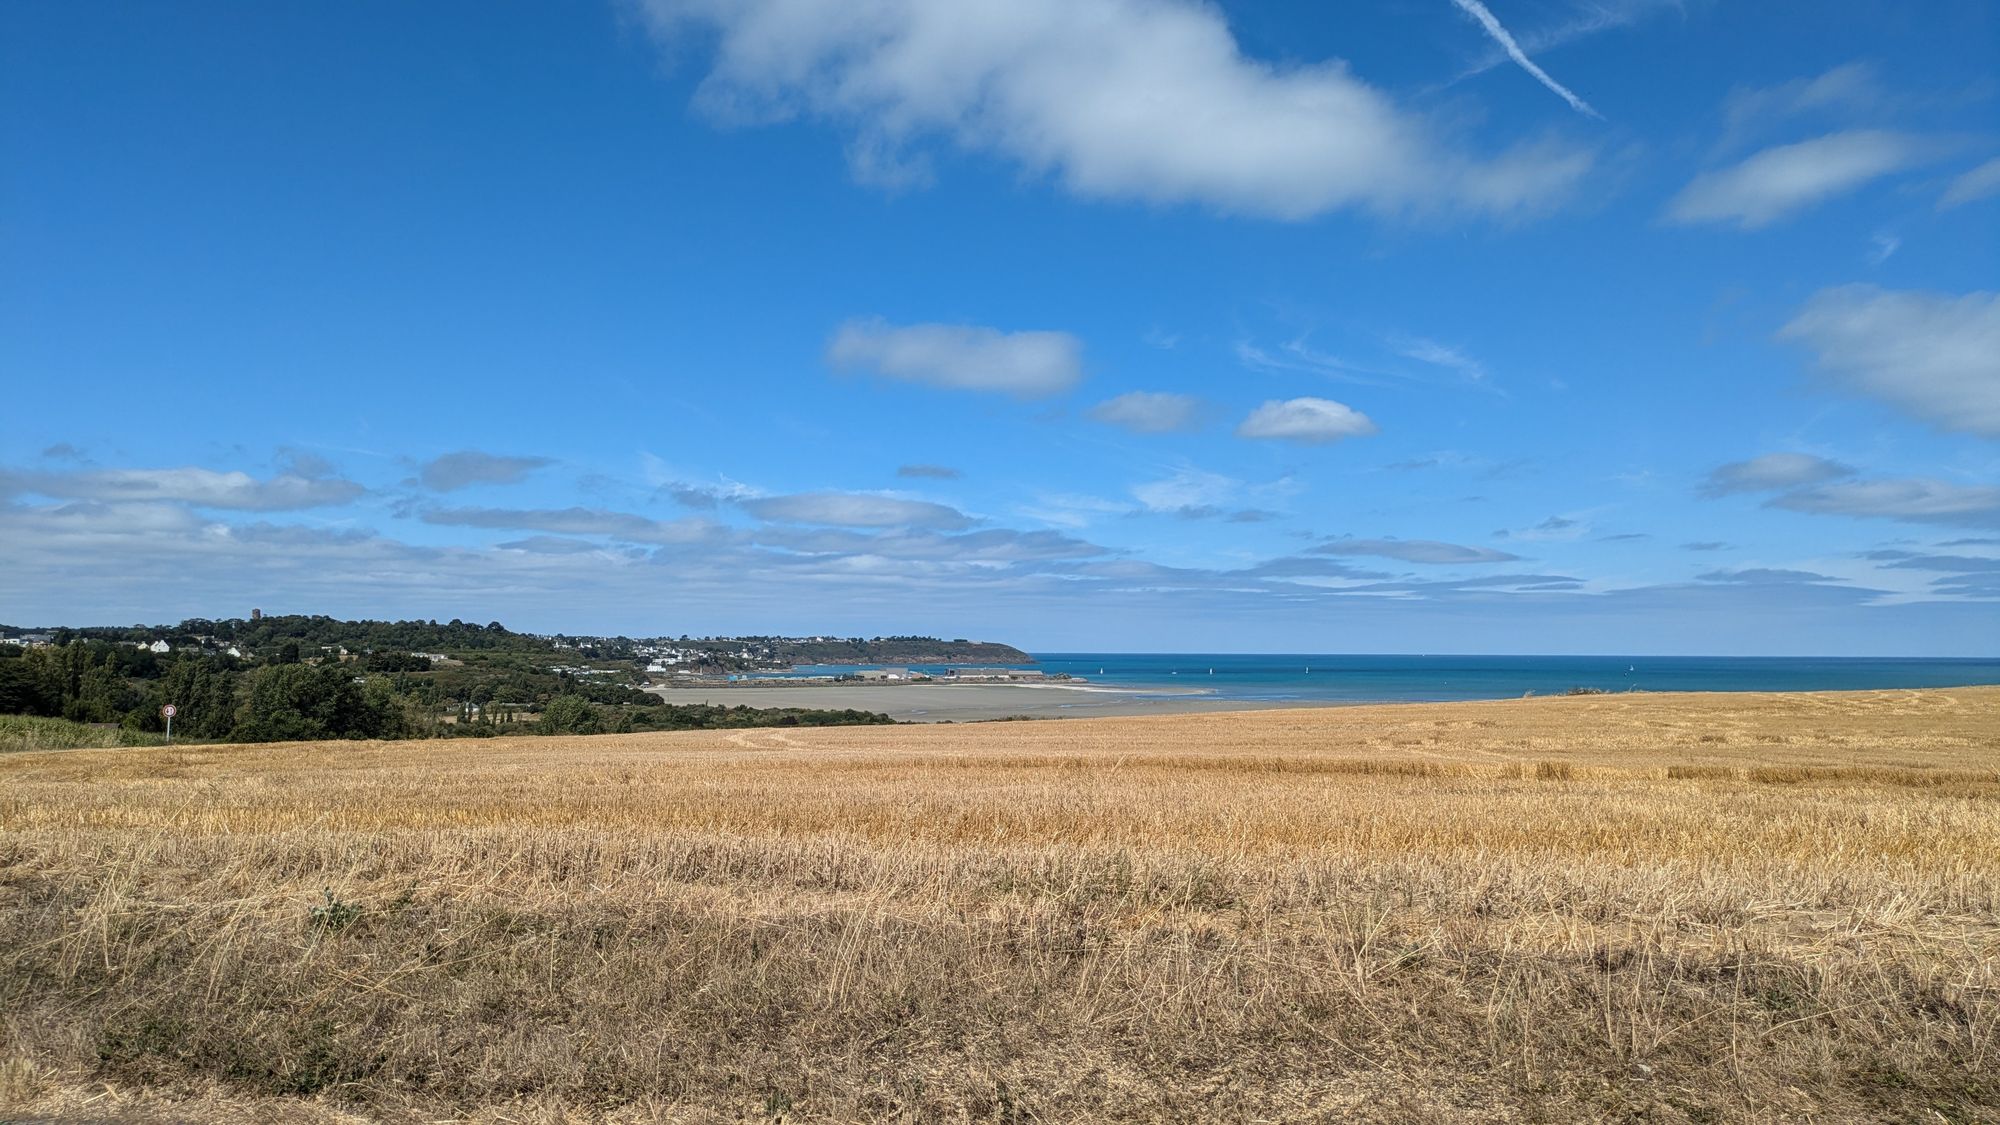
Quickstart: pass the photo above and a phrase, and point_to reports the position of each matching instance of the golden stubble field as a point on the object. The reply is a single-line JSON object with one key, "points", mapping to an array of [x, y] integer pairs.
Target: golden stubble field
{"points": [[1642, 907]]}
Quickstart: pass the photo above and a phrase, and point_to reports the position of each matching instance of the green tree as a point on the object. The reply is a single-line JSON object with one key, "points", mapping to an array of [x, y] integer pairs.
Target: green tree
{"points": [[204, 698], [570, 714], [21, 689], [300, 701]]}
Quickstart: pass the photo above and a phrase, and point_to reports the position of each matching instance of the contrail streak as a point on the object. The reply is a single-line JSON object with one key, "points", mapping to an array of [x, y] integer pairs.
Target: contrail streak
{"points": [[1485, 18]]}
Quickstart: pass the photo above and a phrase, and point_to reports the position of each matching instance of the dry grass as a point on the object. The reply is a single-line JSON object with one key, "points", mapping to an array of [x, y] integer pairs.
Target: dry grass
{"points": [[1658, 908]]}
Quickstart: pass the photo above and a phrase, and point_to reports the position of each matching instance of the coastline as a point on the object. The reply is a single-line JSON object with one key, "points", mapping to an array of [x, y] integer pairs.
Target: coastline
{"points": [[1076, 685]]}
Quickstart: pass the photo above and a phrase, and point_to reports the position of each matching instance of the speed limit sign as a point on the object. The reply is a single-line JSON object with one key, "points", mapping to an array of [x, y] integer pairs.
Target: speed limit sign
{"points": [[168, 711]]}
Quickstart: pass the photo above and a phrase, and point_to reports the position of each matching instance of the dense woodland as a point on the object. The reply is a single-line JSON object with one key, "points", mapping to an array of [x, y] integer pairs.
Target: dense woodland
{"points": [[296, 678]]}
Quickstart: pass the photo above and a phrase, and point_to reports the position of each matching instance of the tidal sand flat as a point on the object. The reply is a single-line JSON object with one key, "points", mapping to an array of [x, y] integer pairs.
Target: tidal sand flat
{"points": [[1641, 907], [963, 703]]}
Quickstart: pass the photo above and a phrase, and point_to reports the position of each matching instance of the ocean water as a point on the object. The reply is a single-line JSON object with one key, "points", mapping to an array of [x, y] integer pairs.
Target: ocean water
{"points": [[1327, 678]]}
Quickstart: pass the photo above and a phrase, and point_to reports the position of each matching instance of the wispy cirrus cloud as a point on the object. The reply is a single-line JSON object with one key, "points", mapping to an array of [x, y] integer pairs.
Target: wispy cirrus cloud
{"points": [[1297, 355], [1187, 488], [963, 357], [1186, 492], [1439, 355], [1484, 17], [1934, 356], [1583, 20], [1071, 509], [1971, 186], [1845, 93], [1776, 182]]}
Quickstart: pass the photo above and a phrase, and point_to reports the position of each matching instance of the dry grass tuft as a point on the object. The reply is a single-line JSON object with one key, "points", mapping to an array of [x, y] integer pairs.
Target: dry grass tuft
{"points": [[1656, 908]]}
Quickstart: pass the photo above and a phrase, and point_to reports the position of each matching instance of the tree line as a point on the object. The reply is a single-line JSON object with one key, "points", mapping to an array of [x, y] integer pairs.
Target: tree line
{"points": [[214, 697], [381, 695]]}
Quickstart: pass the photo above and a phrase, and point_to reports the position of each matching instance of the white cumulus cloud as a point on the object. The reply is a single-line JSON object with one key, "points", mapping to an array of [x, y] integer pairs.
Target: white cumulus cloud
{"points": [[1312, 421], [1150, 100]]}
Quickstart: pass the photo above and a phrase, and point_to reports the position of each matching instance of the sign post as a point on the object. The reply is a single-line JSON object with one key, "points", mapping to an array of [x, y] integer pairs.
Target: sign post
{"points": [[168, 711]]}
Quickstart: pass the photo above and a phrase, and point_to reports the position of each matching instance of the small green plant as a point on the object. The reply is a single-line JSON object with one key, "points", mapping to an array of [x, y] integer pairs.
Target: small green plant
{"points": [[333, 915], [1010, 1112]]}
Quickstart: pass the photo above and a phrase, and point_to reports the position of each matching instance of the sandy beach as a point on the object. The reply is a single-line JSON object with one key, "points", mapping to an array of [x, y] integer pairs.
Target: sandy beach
{"points": [[964, 703]]}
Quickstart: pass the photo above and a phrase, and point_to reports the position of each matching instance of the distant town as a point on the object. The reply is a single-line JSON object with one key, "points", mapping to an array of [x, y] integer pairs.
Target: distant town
{"points": [[657, 654]]}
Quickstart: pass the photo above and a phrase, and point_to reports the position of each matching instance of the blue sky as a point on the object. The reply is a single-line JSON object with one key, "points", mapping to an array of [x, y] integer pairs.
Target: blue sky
{"points": [[1095, 324]]}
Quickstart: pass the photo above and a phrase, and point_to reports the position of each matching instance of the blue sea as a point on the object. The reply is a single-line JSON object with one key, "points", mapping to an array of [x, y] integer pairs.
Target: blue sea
{"points": [[1325, 678]]}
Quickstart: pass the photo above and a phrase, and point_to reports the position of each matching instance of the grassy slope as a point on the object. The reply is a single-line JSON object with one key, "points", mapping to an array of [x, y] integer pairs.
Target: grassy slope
{"points": [[26, 732], [1659, 908]]}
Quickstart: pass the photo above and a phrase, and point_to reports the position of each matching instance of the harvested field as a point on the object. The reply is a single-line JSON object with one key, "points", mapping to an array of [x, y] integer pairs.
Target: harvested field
{"points": [[1645, 907]]}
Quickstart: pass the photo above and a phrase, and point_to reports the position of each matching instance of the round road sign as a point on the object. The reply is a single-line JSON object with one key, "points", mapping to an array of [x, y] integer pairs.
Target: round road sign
{"points": [[168, 710]]}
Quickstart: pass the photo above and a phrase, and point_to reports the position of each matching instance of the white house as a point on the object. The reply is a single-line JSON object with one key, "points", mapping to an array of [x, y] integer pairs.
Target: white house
{"points": [[159, 646]]}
